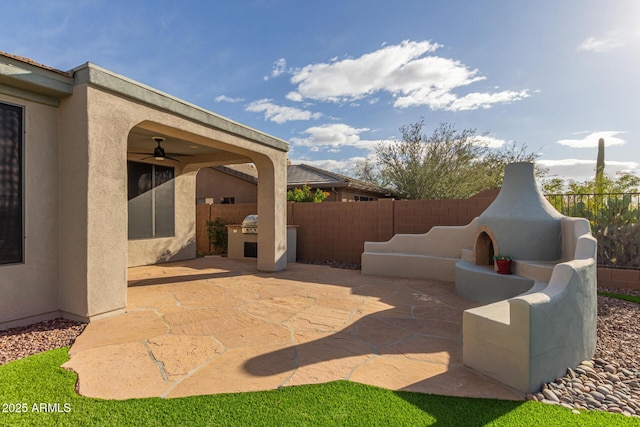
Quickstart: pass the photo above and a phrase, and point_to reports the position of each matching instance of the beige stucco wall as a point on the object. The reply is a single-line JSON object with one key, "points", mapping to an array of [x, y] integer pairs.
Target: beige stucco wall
{"points": [[95, 251], [212, 183], [183, 244], [30, 289], [76, 223]]}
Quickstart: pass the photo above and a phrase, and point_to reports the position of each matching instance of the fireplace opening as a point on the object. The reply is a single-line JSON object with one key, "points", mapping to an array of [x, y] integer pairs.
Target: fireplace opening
{"points": [[484, 250]]}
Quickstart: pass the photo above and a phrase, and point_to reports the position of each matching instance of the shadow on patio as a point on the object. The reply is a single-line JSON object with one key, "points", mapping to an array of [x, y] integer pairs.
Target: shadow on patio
{"points": [[214, 325]]}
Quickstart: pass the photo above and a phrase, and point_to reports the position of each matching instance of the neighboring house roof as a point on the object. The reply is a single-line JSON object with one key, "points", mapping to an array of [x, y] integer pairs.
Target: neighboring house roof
{"points": [[247, 171], [34, 63], [298, 175]]}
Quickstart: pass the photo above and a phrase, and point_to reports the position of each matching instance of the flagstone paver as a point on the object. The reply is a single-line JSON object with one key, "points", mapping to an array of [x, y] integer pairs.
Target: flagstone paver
{"points": [[214, 325]]}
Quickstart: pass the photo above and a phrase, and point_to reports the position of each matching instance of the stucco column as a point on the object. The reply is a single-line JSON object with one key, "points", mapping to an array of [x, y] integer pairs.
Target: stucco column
{"points": [[272, 211], [93, 215]]}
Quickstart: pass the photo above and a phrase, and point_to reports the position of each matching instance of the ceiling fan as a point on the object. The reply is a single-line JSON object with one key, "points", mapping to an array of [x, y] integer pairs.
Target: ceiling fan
{"points": [[159, 153]]}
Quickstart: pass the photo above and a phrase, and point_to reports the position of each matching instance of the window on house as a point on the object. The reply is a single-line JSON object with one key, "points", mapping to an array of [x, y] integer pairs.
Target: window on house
{"points": [[11, 184], [151, 194], [363, 199], [227, 200]]}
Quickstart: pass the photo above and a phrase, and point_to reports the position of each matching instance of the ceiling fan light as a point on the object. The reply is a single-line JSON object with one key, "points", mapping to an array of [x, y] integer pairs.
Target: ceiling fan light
{"points": [[158, 153]]}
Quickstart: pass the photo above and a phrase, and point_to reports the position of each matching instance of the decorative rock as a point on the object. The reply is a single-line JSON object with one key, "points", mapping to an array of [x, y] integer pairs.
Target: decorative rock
{"points": [[593, 376], [588, 363], [592, 402], [613, 378], [550, 395], [598, 385], [612, 399]]}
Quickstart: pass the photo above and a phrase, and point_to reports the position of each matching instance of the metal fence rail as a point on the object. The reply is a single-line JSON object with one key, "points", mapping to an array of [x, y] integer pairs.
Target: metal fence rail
{"points": [[615, 223]]}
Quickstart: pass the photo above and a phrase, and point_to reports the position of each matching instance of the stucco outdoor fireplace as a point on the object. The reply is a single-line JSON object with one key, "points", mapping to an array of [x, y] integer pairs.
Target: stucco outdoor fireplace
{"points": [[530, 325], [519, 223]]}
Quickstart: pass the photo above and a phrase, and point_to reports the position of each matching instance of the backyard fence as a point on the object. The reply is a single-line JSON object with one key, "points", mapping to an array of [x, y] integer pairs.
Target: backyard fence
{"points": [[336, 231], [615, 223]]}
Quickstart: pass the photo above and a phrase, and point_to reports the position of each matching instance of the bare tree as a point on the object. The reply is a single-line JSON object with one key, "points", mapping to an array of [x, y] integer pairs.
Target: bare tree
{"points": [[447, 164]]}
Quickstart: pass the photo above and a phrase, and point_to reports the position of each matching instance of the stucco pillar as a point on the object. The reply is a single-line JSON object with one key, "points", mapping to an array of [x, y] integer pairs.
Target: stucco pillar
{"points": [[272, 211], [93, 239]]}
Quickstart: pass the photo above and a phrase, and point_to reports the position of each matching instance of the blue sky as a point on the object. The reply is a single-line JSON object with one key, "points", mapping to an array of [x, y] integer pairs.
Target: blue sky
{"points": [[333, 78]]}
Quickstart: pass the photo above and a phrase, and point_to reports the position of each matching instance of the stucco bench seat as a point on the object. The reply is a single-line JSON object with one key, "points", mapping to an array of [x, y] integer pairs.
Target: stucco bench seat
{"points": [[536, 270], [482, 284], [409, 265]]}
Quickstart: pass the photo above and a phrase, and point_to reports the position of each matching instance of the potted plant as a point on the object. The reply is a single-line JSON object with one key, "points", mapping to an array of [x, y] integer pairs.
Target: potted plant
{"points": [[504, 263]]}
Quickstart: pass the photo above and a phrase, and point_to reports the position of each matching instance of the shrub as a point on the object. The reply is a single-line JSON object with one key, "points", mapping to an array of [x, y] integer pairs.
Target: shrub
{"points": [[218, 236], [305, 194]]}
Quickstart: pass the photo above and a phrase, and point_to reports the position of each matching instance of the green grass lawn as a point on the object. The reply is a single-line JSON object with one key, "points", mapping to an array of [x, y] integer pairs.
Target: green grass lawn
{"points": [[621, 296], [39, 380]]}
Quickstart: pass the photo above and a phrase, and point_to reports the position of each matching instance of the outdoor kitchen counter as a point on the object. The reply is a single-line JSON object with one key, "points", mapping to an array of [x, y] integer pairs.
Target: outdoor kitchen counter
{"points": [[241, 245]]}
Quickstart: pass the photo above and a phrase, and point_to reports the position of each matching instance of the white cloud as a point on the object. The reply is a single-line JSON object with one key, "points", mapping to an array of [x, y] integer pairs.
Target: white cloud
{"points": [[279, 68], [225, 98], [591, 140], [294, 96], [490, 141], [406, 71], [604, 44], [476, 100], [280, 114], [580, 169], [333, 137], [344, 167]]}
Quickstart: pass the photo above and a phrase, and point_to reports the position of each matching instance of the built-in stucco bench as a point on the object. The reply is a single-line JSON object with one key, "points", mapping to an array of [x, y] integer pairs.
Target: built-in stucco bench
{"points": [[538, 321], [482, 284], [432, 255], [526, 340]]}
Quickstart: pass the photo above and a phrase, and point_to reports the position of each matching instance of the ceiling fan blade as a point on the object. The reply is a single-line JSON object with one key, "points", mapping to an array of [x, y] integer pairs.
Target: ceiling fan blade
{"points": [[171, 158]]}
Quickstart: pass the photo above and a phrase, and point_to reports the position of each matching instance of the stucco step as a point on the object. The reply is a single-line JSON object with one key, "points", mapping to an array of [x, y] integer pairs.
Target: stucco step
{"points": [[536, 270], [482, 284]]}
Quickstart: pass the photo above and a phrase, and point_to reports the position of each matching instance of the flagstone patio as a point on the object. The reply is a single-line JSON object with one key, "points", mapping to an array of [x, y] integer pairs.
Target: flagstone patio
{"points": [[214, 325]]}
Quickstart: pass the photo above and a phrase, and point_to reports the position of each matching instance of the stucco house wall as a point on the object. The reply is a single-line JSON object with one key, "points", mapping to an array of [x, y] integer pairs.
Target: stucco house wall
{"points": [[79, 128], [32, 287]]}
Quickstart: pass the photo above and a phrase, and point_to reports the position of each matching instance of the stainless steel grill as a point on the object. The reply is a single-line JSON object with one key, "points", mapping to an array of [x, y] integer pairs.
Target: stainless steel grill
{"points": [[250, 224]]}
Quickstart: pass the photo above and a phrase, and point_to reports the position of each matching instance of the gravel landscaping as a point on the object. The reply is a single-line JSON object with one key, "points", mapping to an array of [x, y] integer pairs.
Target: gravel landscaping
{"points": [[17, 343], [608, 382], [611, 380]]}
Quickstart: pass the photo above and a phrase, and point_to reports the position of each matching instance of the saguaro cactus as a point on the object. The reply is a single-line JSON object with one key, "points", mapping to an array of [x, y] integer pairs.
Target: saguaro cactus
{"points": [[600, 166]]}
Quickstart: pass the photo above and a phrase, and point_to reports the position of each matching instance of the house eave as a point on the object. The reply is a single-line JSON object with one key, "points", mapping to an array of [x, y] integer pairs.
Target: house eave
{"points": [[26, 79], [104, 79]]}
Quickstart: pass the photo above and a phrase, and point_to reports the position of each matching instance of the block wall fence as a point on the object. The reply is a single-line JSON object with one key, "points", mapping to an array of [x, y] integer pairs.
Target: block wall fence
{"points": [[336, 231]]}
